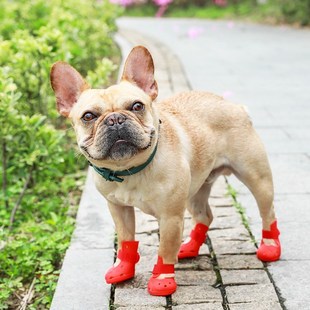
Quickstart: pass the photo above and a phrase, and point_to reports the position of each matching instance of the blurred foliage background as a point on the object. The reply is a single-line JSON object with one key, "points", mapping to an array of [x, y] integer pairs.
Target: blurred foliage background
{"points": [[40, 174], [272, 11]]}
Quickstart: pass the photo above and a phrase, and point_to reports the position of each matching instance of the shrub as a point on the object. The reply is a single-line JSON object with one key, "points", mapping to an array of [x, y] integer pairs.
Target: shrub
{"points": [[40, 174], [295, 11], [277, 11]]}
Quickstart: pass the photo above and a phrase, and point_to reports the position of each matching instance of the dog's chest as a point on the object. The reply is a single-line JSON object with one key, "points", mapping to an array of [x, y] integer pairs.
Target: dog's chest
{"points": [[125, 197], [134, 195]]}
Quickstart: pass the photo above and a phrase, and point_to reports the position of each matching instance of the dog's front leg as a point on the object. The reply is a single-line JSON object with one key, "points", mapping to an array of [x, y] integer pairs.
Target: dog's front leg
{"points": [[162, 281], [170, 230], [127, 255], [124, 220]]}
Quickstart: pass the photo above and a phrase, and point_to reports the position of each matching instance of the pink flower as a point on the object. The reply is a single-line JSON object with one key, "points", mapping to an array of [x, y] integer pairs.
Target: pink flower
{"points": [[230, 25], [162, 2], [227, 94], [123, 2], [220, 2], [163, 6], [194, 32]]}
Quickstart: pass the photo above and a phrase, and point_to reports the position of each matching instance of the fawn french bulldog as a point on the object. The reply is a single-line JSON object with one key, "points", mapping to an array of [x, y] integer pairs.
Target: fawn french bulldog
{"points": [[163, 157]]}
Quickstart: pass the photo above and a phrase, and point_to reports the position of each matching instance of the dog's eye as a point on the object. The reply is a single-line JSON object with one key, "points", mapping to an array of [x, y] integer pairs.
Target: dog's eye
{"points": [[137, 107], [88, 116]]}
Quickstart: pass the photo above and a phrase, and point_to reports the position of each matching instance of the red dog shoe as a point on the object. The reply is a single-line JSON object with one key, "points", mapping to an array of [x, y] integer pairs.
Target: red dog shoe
{"points": [[124, 267], [162, 281], [270, 253], [197, 238]]}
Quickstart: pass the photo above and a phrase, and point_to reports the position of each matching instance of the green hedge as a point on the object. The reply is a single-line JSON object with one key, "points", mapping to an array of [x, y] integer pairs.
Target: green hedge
{"points": [[40, 174], [297, 11], [270, 11]]}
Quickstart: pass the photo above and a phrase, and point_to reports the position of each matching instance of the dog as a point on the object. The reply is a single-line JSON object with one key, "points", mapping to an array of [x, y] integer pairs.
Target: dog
{"points": [[163, 157]]}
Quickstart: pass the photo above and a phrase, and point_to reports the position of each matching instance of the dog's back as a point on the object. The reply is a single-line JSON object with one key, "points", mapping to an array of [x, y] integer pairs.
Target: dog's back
{"points": [[204, 108]]}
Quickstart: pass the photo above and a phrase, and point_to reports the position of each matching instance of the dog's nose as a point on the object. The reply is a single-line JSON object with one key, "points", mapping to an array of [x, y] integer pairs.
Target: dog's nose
{"points": [[115, 119]]}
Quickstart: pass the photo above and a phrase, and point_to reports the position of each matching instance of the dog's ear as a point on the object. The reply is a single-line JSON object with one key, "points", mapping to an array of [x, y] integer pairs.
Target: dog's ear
{"points": [[68, 85], [139, 70]]}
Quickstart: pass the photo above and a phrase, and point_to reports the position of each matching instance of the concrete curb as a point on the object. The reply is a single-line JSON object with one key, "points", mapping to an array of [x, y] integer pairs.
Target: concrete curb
{"points": [[81, 284]]}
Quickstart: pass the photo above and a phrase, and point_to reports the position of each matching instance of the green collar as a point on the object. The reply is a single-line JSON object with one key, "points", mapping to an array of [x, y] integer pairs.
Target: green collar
{"points": [[111, 175]]}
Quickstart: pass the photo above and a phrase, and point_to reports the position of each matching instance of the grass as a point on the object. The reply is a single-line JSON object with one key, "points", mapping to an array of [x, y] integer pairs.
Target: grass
{"points": [[191, 11], [241, 210]]}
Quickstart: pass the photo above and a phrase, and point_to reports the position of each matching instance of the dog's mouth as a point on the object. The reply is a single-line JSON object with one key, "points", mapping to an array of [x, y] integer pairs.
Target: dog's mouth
{"points": [[122, 149], [120, 143], [116, 148]]}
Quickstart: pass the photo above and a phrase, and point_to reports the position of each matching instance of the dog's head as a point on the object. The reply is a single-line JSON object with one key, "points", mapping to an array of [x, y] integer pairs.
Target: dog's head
{"points": [[117, 126]]}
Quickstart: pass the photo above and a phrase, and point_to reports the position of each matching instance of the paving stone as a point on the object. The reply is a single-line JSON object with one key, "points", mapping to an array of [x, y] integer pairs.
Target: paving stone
{"points": [[162, 78], [283, 102], [286, 275], [195, 278], [203, 306], [244, 277], [226, 222], [204, 250], [262, 305], [179, 81], [251, 293], [148, 257], [227, 211], [196, 295], [220, 201], [145, 223], [239, 262], [147, 239], [201, 262], [140, 308], [289, 208], [225, 217], [137, 297], [285, 167], [297, 304], [188, 225], [219, 188], [233, 247], [140, 280], [239, 233]]}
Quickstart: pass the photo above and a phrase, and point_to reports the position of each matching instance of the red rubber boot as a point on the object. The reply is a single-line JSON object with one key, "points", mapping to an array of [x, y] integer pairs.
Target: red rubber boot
{"points": [[162, 281], [124, 267], [197, 238], [270, 253]]}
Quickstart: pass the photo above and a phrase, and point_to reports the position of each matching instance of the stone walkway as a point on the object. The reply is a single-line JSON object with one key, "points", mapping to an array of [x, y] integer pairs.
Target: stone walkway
{"points": [[226, 275]]}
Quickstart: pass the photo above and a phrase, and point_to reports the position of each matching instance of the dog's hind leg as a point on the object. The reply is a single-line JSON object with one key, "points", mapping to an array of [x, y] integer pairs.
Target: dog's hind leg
{"points": [[252, 168], [202, 216]]}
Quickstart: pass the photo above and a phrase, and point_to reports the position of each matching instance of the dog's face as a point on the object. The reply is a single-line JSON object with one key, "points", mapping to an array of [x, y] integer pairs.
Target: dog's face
{"points": [[116, 124]]}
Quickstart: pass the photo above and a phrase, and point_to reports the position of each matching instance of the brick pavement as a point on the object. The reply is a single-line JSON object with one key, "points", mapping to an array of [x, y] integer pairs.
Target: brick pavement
{"points": [[226, 275]]}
